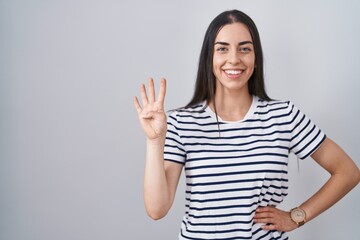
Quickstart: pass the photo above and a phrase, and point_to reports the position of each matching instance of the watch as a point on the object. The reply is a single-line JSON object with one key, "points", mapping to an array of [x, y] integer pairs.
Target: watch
{"points": [[298, 216]]}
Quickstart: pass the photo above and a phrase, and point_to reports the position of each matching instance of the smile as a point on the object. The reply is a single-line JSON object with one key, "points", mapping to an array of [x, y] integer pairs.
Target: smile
{"points": [[233, 73]]}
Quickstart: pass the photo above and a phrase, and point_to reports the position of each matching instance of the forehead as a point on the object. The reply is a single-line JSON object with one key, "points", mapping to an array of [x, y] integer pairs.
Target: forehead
{"points": [[235, 32]]}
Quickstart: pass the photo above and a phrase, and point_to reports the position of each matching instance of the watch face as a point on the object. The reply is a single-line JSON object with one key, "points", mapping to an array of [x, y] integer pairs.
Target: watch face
{"points": [[298, 215]]}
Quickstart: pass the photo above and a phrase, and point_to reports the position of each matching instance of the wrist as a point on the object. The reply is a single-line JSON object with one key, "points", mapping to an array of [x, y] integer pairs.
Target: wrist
{"points": [[298, 216], [156, 142]]}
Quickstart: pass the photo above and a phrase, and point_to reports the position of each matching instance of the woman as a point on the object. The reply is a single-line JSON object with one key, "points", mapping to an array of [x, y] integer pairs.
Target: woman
{"points": [[233, 142]]}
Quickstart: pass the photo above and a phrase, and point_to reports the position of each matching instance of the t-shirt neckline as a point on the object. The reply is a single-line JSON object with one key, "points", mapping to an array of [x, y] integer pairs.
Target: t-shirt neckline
{"points": [[249, 113]]}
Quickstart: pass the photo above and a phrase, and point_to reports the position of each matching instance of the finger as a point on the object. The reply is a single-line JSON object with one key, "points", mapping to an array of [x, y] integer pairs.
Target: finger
{"points": [[144, 97], [263, 215], [137, 104], [264, 220], [151, 91], [269, 227], [162, 93]]}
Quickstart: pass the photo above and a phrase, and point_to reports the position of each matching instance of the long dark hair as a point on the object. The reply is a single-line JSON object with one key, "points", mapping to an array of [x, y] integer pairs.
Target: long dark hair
{"points": [[205, 85]]}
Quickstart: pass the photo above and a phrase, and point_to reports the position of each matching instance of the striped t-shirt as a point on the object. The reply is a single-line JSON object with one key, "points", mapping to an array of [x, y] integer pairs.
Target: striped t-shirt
{"points": [[232, 168]]}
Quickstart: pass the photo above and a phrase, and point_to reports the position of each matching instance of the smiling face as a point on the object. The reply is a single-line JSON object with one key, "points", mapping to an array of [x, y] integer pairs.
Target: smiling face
{"points": [[234, 58]]}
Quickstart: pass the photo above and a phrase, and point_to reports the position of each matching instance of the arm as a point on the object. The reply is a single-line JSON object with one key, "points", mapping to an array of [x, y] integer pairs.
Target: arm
{"points": [[161, 177], [345, 175], [160, 182]]}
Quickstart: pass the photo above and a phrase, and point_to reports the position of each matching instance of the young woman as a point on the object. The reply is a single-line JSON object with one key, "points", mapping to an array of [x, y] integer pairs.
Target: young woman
{"points": [[233, 142]]}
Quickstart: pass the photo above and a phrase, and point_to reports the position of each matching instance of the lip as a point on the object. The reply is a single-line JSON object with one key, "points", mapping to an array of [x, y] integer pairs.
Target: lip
{"points": [[235, 69], [233, 75]]}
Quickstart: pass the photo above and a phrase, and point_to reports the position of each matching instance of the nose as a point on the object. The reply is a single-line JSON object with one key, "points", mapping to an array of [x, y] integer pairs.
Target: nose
{"points": [[234, 57]]}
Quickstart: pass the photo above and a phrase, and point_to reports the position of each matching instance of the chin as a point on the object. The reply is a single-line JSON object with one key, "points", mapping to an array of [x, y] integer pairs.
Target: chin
{"points": [[233, 85]]}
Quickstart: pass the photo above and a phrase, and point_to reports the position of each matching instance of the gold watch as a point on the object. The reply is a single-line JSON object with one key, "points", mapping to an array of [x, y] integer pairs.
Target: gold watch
{"points": [[298, 216]]}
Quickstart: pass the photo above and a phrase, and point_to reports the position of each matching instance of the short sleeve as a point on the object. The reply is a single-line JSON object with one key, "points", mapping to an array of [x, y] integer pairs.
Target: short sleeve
{"points": [[174, 150], [305, 137]]}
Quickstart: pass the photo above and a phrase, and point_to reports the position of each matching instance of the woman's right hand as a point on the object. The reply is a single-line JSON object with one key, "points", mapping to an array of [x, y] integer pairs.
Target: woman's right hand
{"points": [[151, 114]]}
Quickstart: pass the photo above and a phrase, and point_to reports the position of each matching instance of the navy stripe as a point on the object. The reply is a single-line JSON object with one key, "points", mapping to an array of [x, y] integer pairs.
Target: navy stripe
{"points": [[236, 190], [303, 139], [313, 149], [271, 110], [174, 146], [171, 160], [199, 124], [224, 190], [237, 144], [173, 139], [272, 237], [226, 130], [237, 181], [256, 231], [239, 172], [218, 223], [298, 124], [172, 117], [221, 207], [191, 111], [272, 103], [296, 136], [264, 235], [176, 154], [192, 116], [197, 106], [222, 199], [239, 136], [270, 118], [242, 156], [232, 238], [236, 150], [236, 198], [221, 215], [236, 164], [220, 231], [309, 142]]}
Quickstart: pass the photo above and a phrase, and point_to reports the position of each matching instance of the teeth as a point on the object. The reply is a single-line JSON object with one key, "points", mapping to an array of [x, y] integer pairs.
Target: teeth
{"points": [[233, 72]]}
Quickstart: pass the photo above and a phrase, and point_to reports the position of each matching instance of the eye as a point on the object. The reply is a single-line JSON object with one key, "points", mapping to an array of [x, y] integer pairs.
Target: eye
{"points": [[245, 49], [221, 49]]}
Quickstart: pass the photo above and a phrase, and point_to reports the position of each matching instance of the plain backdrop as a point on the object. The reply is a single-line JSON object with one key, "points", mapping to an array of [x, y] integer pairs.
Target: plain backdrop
{"points": [[71, 148]]}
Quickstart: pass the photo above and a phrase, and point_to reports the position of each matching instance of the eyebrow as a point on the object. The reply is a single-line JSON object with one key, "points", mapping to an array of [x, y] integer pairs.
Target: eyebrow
{"points": [[240, 43]]}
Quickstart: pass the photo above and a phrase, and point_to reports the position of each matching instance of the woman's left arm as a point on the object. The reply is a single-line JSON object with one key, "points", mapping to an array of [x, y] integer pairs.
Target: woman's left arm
{"points": [[345, 175]]}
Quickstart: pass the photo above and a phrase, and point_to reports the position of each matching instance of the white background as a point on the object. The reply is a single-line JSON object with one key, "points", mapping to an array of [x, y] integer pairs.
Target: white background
{"points": [[71, 148]]}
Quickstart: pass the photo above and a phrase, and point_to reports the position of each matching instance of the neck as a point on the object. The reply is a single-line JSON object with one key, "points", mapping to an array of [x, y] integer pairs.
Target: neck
{"points": [[231, 106]]}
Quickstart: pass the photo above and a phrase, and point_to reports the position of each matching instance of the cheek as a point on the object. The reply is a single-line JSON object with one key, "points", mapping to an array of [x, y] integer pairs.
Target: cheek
{"points": [[217, 63], [249, 60]]}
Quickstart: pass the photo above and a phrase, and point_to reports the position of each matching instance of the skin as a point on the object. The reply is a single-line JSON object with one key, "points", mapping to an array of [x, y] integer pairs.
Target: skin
{"points": [[232, 100], [233, 50], [161, 177]]}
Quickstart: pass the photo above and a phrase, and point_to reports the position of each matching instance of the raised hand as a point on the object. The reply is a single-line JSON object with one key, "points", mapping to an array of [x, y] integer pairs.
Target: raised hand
{"points": [[151, 115]]}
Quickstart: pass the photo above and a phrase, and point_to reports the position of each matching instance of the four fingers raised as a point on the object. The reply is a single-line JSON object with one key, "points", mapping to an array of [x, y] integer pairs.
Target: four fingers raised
{"points": [[149, 97]]}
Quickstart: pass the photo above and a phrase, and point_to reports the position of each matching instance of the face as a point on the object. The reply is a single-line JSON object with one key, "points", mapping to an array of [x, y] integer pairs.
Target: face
{"points": [[234, 57]]}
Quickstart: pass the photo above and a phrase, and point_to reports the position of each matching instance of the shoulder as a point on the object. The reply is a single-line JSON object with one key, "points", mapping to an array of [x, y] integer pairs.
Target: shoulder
{"points": [[191, 118], [264, 107], [196, 111]]}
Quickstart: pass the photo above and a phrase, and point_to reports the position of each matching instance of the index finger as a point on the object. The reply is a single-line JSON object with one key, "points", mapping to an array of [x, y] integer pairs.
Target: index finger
{"points": [[162, 91]]}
